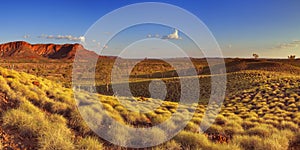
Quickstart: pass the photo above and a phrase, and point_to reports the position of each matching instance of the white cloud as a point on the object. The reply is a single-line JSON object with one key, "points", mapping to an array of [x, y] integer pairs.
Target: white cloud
{"points": [[82, 39], [292, 45], [26, 36], [229, 46], [64, 37], [153, 36], [174, 35]]}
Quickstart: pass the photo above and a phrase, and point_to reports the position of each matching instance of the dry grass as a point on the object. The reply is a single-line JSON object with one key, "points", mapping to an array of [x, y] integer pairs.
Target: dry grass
{"points": [[89, 143], [172, 145], [263, 115], [191, 140]]}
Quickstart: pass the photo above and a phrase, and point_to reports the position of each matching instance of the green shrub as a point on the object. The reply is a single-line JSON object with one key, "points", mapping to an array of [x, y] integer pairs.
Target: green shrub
{"points": [[89, 143]]}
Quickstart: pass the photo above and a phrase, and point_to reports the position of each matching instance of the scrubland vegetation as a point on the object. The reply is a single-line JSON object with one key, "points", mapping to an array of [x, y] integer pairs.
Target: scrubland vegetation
{"points": [[260, 111]]}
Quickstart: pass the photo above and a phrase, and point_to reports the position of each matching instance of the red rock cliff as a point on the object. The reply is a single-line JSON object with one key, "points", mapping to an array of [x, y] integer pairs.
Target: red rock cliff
{"points": [[53, 51]]}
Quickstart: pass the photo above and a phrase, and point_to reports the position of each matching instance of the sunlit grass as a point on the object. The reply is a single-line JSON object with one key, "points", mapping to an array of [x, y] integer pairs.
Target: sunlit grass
{"points": [[262, 116]]}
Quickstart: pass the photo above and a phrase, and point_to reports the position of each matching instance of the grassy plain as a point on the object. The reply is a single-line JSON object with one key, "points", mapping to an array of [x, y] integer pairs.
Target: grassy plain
{"points": [[260, 110]]}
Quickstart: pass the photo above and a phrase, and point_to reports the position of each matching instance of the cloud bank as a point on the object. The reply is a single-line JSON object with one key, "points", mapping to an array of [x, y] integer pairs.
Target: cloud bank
{"points": [[173, 36], [291, 45], [64, 37]]}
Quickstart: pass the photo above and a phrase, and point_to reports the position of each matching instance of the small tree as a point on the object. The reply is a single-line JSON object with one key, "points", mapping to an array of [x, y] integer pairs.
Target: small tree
{"points": [[255, 56], [292, 57]]}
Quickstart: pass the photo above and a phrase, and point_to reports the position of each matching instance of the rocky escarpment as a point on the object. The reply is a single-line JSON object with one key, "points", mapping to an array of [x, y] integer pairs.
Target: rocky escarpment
{"points": [[21, 49]]}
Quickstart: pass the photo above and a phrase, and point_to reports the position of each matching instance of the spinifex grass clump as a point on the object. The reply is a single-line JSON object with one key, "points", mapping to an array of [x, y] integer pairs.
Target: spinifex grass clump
{"points": [[89, 143]]}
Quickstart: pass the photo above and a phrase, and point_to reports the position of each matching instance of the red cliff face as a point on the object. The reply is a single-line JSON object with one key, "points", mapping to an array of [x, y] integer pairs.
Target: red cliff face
{"points": [[53, 51]]}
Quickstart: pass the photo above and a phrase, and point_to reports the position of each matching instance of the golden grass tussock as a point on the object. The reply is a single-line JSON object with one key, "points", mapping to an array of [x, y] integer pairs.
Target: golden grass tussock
{"points": [[191, 140], [172, 144], [89, 143]]}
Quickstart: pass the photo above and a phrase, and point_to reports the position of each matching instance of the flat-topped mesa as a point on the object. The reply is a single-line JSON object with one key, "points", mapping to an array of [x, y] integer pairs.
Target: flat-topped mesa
{"points": [[53, 51]]}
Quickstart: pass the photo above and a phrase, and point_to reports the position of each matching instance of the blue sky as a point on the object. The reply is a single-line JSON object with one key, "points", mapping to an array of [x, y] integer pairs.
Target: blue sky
{"points": [[270, 28]]}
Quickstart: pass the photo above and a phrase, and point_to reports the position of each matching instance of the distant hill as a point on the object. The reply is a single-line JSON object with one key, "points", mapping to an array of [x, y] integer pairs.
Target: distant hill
{"points": [[259, 65], [21, 49]]}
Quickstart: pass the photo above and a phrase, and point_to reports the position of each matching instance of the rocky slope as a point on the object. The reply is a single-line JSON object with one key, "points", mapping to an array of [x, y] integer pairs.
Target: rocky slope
{"points": [[21, 49]]}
